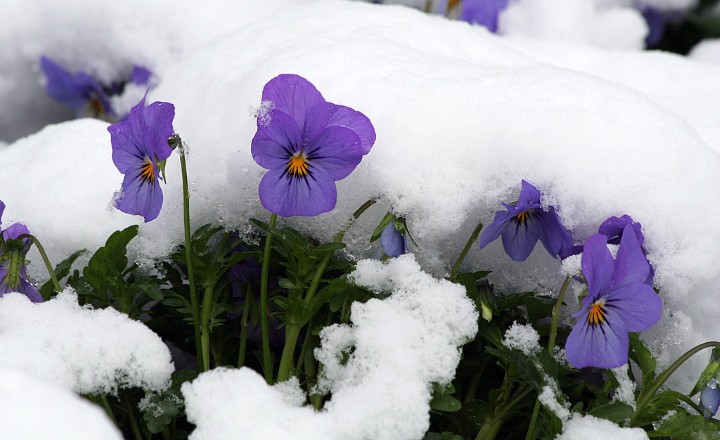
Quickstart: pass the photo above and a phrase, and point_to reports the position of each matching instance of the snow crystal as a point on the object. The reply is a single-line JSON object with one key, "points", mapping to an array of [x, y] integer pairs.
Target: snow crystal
{"points": [[571, 266], [401, 345], [34, 410], [625, 391], [593, 428], [522, 337], [79, 348], [549, 398], [262, 113]]}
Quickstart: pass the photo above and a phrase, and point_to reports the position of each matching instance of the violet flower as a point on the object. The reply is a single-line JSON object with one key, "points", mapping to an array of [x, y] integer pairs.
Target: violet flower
{"points": [[618, 302], [78, 91], [483, 12], [710, 398], [393, 241], [307, 144], [613, 229], [138, 144], [526, 222], [11, 244]]}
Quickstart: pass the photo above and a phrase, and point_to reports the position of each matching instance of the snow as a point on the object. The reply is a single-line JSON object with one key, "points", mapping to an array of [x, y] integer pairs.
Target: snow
{"points": [[522, 337], [592, 428], [625, 391], [34, 410], [706, 51], [461, 116], [78, 348], [402, 345]]}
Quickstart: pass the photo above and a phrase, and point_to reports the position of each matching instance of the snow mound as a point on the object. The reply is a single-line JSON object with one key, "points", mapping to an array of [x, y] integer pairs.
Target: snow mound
{"points": [[592, 428], [78, 348], [395, 349], [34, 410]]}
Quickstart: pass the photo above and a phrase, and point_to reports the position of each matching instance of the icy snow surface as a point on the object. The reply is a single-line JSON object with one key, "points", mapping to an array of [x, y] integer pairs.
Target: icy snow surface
{"points": [[592, 428], [402, 345], [461, 117], [34, 410], [78, 348]]}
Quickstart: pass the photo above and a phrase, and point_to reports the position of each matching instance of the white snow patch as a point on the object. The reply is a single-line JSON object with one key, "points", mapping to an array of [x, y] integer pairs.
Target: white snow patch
{"points": [[549, 398], [79, 348], [625, 391], [706, 51], [401, 345], [522, 337], [35, 410], [592, 428]]}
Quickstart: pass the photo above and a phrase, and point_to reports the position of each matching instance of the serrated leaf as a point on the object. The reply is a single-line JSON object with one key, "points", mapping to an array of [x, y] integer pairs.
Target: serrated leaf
{"points": [[683, 425]]}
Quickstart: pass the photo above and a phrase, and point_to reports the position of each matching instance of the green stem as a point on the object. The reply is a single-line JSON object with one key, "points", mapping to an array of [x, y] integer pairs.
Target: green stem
{"points": [[303, 350], [292, 331], [189, 257], [556, 315], [206, 312], [531, 428], [490, 429], [648, 394], [46, 260], [108, 408], [326, 260], [267, 365], [133, 421], [466, 249], [243, 326]]}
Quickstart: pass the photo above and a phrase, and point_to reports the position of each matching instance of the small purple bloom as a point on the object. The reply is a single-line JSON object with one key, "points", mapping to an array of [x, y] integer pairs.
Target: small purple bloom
{"points": [[618, 302], [655, 20], [710, 398], [140, 75], [138, 144], [18, 282], [307, 144], [526, 222], [613, 228], [79, 91], [393, 241], [483, 12]]}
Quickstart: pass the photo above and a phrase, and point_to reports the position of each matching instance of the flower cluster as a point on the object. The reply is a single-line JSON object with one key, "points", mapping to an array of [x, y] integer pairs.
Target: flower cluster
{"points": [[13, 248]]}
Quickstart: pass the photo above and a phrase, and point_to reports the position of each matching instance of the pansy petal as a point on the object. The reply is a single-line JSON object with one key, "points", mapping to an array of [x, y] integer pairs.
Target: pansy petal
{"points": [[638, 306], [2, 209], [24, 286], [140, 75], [603, 345], [483, 12], [158, 118], [140, 197], [298, 98], [392, 241], [529, 195], [342, 116], [61, 85], [597, 265], [613, 228], [710, 399], [631, 265], [275, 142], [552, 234], [491, 232], [287, 196], [128, 153], [337, 150], [519, 238]]}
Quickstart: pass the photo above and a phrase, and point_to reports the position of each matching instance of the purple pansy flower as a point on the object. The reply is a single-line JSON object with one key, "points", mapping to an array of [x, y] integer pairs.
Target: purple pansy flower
{"points": [[655, 20], [618, 302], [526, 222], [20, 283], [483, 12], [307, 144], [79, 91], [138, 145], [140, 75], [613, 229], [393, 241]]}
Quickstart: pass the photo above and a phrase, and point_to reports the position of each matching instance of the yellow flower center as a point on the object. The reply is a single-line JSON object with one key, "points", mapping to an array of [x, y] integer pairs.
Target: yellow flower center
{"points": [[298, 165], [597, 313], [147, 172], [521, 217]]}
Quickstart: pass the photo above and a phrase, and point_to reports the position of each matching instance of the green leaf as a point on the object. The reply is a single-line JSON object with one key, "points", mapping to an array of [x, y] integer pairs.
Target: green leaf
{"points": [[684, 426], [616, 412], [330, 247], [61, 271], [445, 403], [710, 372], [384, 222], [150, 287], [643, 358]]}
